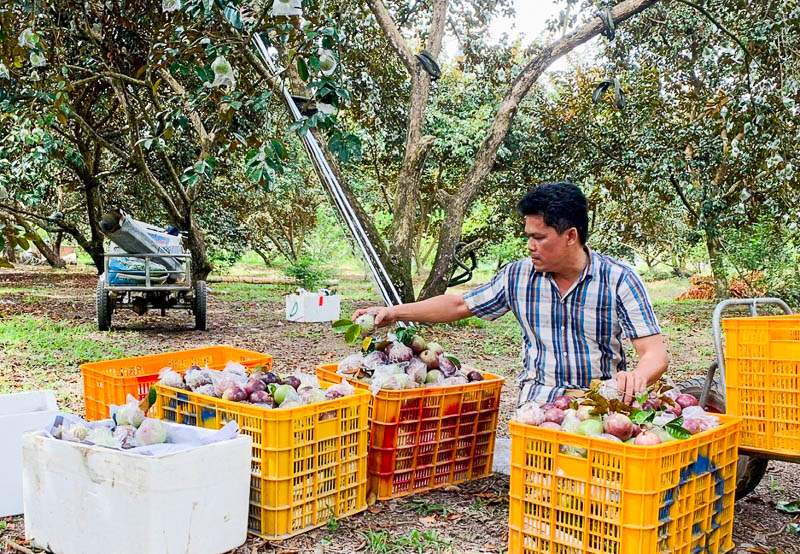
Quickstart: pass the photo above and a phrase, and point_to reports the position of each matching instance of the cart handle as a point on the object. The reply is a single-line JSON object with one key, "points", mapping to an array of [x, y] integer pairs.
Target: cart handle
{"points": [[716, 323]]}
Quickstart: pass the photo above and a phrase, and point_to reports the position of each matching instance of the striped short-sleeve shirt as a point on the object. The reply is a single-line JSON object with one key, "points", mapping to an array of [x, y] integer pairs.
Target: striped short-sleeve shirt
{"points": [[568, 341]]}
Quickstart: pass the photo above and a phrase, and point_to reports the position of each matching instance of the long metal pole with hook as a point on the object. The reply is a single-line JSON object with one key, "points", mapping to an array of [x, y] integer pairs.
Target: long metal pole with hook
{"points": [[387, 289]]}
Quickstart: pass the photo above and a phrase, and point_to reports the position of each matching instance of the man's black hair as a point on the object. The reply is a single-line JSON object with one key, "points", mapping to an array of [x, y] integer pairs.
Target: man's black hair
{"points": [[562, 205]]}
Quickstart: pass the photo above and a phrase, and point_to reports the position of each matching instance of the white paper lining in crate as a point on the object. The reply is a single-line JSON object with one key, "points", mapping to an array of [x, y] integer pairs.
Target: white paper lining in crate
{"points": [[191, 495], [313, 307], [20, 412]]}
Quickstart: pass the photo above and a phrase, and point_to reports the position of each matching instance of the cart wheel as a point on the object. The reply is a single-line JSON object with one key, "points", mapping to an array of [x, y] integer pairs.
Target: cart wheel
{"points": [[199, 305], [103, 305], [750, 469]]}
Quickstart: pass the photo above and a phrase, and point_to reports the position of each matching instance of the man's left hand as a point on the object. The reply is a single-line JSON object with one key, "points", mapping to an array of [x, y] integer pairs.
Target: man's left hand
{"points": [[631, 383]]}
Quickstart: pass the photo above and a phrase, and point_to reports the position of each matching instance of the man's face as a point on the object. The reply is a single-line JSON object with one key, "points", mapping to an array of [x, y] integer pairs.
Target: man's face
{"points": [[548, 248]]}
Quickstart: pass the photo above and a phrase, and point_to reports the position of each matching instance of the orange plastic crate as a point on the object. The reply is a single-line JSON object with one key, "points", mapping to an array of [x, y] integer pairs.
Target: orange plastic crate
{"points": [[675, 497], [762, 382], [109, 382], [309, 463], [426, 438]]}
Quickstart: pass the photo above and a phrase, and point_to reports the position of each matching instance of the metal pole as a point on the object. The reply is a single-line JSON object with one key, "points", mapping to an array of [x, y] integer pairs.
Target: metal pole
{"points": [[387, 289]]}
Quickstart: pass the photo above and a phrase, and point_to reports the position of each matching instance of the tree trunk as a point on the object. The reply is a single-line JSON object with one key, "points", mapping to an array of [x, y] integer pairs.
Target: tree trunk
{"points": [[52, 259], [201, 267], [57, 243], [9, 251], [717, 265], [266, 258], [439, 277]]}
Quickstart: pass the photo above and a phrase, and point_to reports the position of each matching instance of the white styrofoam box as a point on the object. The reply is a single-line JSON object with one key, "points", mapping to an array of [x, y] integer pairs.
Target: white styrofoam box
{"points": [[313, 307], [20, 412], [82, 499]]}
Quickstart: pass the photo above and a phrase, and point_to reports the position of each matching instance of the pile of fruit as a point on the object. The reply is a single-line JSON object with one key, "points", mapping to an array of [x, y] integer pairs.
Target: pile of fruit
{"points": [[127, 429], [403, 360], [660, 414], [262, 388]]}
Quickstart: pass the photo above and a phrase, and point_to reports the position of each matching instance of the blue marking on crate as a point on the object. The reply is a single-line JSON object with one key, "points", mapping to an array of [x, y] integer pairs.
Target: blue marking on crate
{"points": [[701, 466], [207, 413]]}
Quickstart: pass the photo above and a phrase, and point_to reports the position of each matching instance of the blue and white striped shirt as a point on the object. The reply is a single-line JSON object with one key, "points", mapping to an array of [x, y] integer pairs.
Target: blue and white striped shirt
{"points": [[571, 340]]}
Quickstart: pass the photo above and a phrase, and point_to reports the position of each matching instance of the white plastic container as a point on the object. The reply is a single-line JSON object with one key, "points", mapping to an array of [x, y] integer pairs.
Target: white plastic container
{"points": [[20, 412], [313, 307], [82, 499]]}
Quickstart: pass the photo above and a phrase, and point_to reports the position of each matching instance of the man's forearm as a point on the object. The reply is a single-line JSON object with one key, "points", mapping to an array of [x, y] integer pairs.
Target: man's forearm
{"points": [[652, 366], [439, 309]]}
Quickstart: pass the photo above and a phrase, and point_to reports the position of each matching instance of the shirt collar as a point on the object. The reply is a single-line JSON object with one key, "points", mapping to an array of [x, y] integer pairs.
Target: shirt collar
{"points": [[591, 270]]}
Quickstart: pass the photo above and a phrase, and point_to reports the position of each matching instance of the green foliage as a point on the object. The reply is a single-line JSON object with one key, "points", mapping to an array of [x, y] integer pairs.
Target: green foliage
{"points": [[768, 254], [381, 542], [308, 272]]}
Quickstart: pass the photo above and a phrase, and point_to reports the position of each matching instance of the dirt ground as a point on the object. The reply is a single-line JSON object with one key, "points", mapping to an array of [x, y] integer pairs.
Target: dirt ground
{"points": [[467, 518]]}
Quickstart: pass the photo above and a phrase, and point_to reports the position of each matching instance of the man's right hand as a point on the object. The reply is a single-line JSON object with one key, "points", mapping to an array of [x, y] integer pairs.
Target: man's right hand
{"points": [[383, 315]]}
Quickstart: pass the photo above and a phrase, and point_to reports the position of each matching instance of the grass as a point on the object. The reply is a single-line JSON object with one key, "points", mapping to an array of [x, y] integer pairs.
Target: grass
{"points": [[381, 542], [51, 353], [44, 342], [425, 508]]}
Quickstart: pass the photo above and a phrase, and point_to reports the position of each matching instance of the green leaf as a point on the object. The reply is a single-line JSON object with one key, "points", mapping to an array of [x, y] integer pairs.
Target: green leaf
{"points": [[278, 148], [406, 334], [151, 396], [2, 242], [794, 528], [792, 507], [352, 333], [5, 264], [642, 398], [346, 146], [676, 430], [642, 416], [302, 69], [341, 325], [455, 360]]}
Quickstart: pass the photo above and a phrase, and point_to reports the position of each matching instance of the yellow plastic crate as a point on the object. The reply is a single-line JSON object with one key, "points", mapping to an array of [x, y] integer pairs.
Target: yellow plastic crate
{"points": [[426, 438], [110, 382], [675, 497], [309, 463], [762, 382]]}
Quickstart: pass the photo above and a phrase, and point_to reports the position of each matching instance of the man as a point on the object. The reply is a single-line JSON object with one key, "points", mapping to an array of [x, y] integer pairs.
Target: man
{"points": [[574, 305]]}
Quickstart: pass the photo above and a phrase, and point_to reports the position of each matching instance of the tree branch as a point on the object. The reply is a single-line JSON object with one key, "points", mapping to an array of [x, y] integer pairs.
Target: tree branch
{"points": [[436, 32], [206, 139], [683, 198], [391, 31], [139, 158], [119, 152], [525, 80]]}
